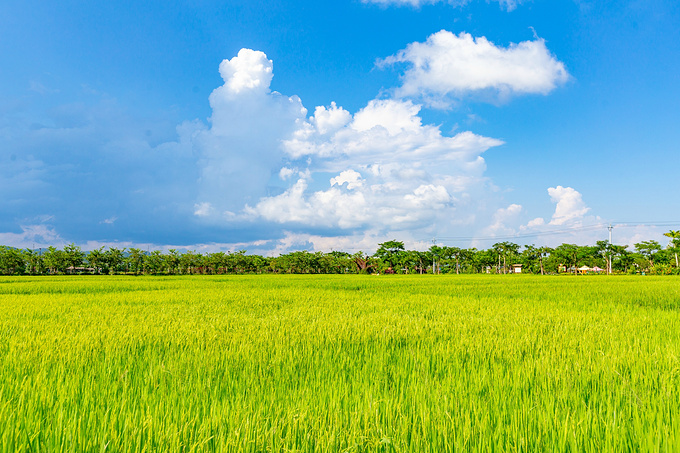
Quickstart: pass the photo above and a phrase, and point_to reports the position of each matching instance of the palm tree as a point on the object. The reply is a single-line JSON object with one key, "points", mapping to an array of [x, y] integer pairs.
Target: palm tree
{"points": [[542, 253], [674, 244]]}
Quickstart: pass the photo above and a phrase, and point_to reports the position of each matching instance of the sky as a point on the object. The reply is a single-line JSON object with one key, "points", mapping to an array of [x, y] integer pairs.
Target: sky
{"points": [[289, 125]]}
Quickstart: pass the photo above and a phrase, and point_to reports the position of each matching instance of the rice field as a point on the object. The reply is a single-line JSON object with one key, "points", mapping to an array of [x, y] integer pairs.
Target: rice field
{"points": [[339, 364]]}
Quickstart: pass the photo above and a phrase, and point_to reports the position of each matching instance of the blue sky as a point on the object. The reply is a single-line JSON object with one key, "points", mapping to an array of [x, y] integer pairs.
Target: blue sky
{"points": [[287, 125]]}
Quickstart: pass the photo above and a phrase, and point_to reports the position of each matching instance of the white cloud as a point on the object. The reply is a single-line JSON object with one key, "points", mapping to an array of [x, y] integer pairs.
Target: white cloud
{"points": [[32, 236], [330, 119], [389, 171], [448, 66], [502, 217], [349, 177], [536, 222], [569, 223], [241, 149], [570, 210], [393, 116], [203, 209], [507, 4], [329, 208], [570, 205], [386, 132], [249, 70], [428, 195], [285, 173]]}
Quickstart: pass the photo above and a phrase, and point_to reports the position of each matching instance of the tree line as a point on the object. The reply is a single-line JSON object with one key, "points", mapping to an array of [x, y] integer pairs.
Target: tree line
{"points": [[391, 257]]}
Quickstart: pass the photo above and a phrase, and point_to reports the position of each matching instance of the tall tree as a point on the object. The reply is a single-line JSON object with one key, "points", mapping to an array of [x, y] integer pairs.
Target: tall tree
{"points": [[34, 261], [388, 252], [11, 260], [135, 260], [55, 260], [605, 251], [504, 250], [648, 249], [543, 252], [115, 259], [96, 259], [74, 256], [568, 255], [674, 244]]}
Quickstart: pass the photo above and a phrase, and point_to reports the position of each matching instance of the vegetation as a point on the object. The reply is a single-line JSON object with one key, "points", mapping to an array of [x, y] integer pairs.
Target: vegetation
{"points": [[339, 363], [390, 257]]}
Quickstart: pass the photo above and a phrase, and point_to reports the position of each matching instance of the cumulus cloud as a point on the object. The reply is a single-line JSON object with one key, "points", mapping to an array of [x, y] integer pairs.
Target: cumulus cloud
{"points": [[386, 135], [379, 168], [569, 207], [448, 66], [387, 170], [250, 70], [570, 211], [240, 151]]}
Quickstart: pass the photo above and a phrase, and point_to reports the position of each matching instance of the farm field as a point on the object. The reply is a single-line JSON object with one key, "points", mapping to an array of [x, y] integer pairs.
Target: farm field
{"points": [[340, 363]]}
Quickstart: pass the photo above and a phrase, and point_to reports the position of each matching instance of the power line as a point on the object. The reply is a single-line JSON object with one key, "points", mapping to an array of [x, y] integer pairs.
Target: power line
{"points": [[639, 224], [526, 235], [568, 230]]}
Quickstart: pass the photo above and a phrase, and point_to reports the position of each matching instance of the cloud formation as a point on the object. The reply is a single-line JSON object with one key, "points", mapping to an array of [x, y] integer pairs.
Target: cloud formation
{"points": [[259, 167], [448, 66], [240, 150], [385, 170], [569, 205], [570, 210]]}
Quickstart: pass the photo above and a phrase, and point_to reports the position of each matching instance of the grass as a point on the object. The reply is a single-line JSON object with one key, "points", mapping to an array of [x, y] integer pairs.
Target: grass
{"points": [[340, 363]]}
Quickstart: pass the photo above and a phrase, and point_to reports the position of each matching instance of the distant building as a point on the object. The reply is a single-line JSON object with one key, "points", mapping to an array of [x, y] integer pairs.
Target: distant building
{"points": [[516, 268]]}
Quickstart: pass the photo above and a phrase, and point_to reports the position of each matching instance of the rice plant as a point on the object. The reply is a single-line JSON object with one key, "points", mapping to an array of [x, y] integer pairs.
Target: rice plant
{"points": [[339, 363]]}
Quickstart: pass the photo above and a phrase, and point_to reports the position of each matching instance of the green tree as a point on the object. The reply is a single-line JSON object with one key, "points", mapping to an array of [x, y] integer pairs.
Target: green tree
{"points": [[606, 251], [135, 260], [504, 250], [55, 260], [568, 255], [543, 253], [388, 252], [622, 258], [674, 244], [191, 262], [114, 259], [484, 259], [648, 249], [11, 260], [530, 258], [34, 261], [96, 259], [154, 262], [74, 256]]}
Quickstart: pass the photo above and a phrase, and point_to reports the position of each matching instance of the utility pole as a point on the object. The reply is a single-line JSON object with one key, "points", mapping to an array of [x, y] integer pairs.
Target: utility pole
{"points": [[609, 270], [434, 269]]}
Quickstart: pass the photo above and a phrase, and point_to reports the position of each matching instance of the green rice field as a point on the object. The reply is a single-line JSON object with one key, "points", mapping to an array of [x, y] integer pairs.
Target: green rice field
{"points": [[340, 363]]}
